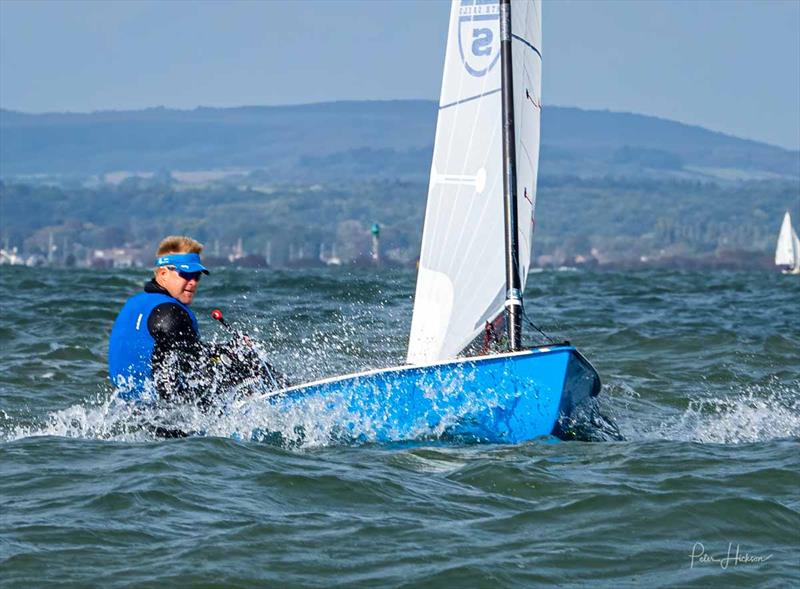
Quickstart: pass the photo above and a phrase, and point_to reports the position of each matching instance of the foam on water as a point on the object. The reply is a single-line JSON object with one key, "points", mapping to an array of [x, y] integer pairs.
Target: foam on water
{"points": [[102, 418], [754, 415]]}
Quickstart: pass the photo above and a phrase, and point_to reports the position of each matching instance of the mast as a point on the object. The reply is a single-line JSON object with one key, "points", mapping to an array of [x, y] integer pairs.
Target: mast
{"points": [[513, 303]]}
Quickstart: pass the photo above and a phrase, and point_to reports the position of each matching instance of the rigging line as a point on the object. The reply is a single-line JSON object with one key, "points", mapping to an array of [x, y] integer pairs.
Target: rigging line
{"points": [[536, 327]]}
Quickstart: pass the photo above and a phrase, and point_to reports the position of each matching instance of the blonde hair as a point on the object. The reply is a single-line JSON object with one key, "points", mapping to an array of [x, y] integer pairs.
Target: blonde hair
{"points": [[179, 244]]}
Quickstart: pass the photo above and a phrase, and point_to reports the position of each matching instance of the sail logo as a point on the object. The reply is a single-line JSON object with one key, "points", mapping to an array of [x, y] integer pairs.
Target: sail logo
{"points": [[479, 35]]}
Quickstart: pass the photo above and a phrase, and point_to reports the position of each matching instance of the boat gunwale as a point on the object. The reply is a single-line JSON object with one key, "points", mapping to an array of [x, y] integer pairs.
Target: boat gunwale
{"points": [[539, 350]]}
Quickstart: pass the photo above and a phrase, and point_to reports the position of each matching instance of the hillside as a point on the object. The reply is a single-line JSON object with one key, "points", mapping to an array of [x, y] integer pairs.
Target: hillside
{"points": [[388, 139]]}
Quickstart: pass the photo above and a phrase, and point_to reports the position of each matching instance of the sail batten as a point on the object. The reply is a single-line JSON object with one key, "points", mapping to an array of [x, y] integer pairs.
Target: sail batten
{"points": [[462, 266], [463, 100]]}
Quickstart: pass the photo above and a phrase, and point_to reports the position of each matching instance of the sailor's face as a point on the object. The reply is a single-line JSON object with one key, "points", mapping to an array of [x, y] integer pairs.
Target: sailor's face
{"points": [[179, 285]]}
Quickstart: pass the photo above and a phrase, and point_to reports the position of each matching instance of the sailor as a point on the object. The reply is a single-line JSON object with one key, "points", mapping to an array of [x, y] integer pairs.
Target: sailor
{"points": [[155, 347]]}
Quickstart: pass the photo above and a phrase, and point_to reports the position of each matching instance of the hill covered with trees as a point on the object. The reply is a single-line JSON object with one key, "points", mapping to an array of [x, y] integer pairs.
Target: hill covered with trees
{"points": [[614, 188]]}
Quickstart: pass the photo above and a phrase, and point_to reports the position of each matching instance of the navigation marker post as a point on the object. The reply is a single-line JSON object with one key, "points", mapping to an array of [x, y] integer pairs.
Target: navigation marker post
{"points": [[376, 235]]}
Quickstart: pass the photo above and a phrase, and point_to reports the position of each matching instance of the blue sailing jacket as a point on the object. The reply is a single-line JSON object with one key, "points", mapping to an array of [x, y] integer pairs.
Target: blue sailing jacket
{"points": [[130, 348]]}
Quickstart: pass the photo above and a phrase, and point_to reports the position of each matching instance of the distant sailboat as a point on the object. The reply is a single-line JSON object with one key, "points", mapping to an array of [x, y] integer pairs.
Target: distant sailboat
{"points": [[787, 252]]}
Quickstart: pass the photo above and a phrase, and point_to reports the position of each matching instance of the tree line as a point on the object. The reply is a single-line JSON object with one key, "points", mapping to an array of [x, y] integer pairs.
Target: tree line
{"points": [[605, 218]]}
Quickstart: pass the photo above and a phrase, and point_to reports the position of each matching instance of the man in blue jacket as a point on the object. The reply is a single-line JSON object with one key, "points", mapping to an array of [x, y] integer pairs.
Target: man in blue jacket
{"points": [[155, 348]]}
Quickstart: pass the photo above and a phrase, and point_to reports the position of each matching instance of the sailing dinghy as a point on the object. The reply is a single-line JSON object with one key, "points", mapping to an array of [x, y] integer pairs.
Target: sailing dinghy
{"points": [[475, 256], [787, 250]]}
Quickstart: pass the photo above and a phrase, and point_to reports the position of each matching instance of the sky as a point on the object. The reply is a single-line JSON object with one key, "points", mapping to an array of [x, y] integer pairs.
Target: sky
{"points": [[728, 65]]}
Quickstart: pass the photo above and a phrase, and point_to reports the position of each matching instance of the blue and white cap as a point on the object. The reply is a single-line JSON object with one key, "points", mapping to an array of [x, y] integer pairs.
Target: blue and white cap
{"points": [[182, 262]]}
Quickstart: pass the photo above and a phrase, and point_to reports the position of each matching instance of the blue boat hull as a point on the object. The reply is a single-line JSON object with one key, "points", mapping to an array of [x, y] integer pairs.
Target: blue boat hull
{"points": [[505, 398]]}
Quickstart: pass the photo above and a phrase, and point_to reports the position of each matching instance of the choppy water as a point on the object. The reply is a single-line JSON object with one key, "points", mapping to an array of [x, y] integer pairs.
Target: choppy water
{"points": [[701, 374]]}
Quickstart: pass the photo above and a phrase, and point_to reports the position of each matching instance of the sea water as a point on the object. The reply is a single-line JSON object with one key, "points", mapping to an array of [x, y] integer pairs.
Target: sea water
{"points": [[701, 375]]}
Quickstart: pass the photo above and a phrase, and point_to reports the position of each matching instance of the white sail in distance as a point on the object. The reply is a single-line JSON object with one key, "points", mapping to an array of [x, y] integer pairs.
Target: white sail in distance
{"points": [[787, 251], [461, 282]]}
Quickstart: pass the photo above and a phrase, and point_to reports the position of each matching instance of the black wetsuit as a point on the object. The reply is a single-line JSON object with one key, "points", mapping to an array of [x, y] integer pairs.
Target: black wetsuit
{"points": [[179, 357], [186, 369]]}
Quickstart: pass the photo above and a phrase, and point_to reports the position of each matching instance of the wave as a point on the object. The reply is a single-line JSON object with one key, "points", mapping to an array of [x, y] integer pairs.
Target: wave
{"points": [[757, 413]]}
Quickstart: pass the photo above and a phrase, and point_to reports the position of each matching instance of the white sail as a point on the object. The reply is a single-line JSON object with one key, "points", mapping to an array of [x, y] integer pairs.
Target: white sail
{"points": [[526, 30], [787, 251], [461, 280]]}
